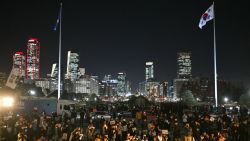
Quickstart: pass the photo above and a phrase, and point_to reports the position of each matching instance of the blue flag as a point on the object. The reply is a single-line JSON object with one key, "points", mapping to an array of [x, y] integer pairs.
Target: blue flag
{"points": [[57, 22], [58, 19]]}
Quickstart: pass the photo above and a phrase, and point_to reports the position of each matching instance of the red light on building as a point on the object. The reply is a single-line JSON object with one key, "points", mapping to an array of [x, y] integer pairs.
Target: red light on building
{"points": [[19, 53], [33, 40]]}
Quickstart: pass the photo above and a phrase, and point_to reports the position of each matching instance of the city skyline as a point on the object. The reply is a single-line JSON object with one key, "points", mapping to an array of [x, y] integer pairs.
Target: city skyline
{"points": [[115, 37]]}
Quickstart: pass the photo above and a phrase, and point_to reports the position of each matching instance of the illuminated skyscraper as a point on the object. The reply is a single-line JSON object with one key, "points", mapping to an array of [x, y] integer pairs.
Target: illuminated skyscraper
{"points": [[107, 77], [121, 85], [73, 72], [86, 85], [128, 87], [54, 71], [54, 77], [82, 71], [33, 59], [148, 87], [163, 89], [184, 65], [149, 70], [108, 86], [3, 78], [19, 63]]}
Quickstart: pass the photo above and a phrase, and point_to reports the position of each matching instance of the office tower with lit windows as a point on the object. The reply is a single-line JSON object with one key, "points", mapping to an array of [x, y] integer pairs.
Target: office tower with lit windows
{"points": [[86, 85], [184, 65], [33, 59], [149, 70], [3, 79], [149, 86], [54, 77], [81, 71], [184, 68], [19, 63], [163, 89], [73, 61], [54, 71], [128, 87], [107, 77], [121, 83], [108, 86]]}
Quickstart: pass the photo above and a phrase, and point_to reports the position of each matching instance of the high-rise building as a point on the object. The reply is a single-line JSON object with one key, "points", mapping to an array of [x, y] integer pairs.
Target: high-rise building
{"points": [[184, 65], [128, 87], [171, 90], [82, 71], [43, 83], [33, 59], [94, 85], [54, 77], [206, 89], [108, 86], [3, 79], [19, 64], [121, 85], [149, 70], [54, 71], [86, 85], [178, 85], [73, 61], [107, 77], [163, 89], [82, 85], [149, 88]]}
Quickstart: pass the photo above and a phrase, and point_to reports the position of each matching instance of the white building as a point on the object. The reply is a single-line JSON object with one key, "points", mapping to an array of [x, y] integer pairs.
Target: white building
{"points": [[33, 59], [184, 65], [149, 70], [163, 89], [19, 64], [149, 88], [54, 77], [73, 72], [121, 84], [43, 83], [177, 85], [86, 85]]}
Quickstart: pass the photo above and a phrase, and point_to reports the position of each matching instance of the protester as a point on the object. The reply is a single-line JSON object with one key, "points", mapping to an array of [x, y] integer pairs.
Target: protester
{"points": [[161, 125]]}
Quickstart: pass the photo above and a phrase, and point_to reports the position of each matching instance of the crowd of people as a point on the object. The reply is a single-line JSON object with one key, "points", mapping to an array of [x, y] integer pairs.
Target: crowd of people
{"points": [[154, 124]]}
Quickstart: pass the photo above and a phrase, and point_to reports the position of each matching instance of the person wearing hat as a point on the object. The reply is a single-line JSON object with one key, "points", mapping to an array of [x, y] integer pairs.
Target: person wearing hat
{"points": [[144, 138], [164, 134]]}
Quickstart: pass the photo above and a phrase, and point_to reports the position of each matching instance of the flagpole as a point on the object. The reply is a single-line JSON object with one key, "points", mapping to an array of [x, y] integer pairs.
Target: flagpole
{"points": [[215, 64], [59, 62]]}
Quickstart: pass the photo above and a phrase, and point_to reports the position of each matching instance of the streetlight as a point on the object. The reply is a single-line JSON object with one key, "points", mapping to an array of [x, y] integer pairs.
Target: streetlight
{"points": [[225, 99], [32, 92], [7, 102]]}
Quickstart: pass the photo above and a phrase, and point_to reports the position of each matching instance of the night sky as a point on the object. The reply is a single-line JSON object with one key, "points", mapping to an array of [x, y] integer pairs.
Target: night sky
{"points": [[114, 36]]}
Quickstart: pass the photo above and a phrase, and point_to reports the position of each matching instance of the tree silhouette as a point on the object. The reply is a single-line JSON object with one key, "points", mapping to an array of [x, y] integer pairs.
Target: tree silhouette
{"points": [[245, 100], [188, 98]]}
